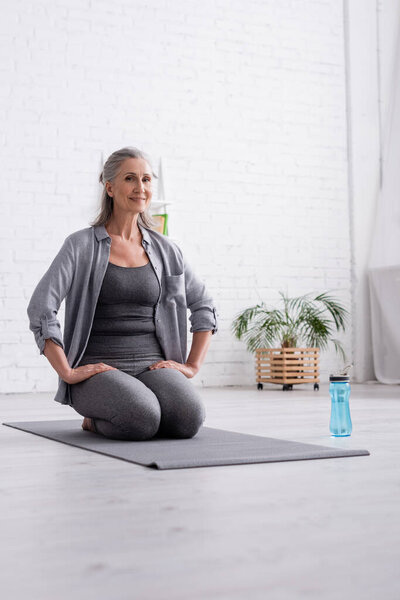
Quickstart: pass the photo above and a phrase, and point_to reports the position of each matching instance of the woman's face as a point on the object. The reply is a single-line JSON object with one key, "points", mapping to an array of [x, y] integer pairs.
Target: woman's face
{"points": [[132, 187]]}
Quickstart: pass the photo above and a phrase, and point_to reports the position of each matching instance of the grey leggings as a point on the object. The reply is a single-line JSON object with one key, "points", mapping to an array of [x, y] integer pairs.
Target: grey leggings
{"points": [[162, 402]]}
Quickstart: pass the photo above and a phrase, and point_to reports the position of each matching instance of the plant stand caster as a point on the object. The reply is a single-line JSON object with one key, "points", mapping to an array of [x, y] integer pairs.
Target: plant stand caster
{"points": [[260, 386], [316, 387], [285, 387]]}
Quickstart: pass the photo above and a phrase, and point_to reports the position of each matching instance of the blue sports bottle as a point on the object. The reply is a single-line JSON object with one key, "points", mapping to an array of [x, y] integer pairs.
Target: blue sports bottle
{"points": [[340, 423]]}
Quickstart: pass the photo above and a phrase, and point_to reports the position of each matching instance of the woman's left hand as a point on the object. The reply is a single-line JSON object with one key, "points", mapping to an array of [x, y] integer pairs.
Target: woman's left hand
{"points": [[187, 369]]}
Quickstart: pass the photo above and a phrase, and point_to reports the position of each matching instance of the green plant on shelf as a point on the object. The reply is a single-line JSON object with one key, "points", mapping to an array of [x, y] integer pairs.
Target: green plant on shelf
{"points": [[311, 321]]}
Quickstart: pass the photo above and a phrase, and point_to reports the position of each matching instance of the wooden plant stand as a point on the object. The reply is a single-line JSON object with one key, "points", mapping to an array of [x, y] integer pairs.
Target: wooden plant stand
{"points": [[287, 367]]}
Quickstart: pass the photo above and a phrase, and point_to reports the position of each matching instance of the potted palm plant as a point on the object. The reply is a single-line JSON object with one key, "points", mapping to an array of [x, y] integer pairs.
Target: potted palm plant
{"points": [[302, 320]]}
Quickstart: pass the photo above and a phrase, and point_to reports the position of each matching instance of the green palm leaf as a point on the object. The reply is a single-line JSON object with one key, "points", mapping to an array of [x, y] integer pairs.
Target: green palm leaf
{"points": [[339, 349], [339, 313]]}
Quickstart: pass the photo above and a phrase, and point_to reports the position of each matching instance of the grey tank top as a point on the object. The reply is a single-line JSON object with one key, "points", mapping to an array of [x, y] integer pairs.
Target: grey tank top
{"points": [[123, 325]]}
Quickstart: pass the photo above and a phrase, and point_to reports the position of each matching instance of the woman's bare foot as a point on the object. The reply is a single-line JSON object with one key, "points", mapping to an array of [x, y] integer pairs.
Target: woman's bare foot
{"points": [[88, 425]]}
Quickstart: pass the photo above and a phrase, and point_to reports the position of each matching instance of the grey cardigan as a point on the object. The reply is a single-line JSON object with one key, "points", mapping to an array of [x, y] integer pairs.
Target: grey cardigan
{"points": [[77, 273]]}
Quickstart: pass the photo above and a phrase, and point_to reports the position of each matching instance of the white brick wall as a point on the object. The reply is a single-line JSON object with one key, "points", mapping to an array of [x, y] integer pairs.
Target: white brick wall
{"points": [[245, 102]]}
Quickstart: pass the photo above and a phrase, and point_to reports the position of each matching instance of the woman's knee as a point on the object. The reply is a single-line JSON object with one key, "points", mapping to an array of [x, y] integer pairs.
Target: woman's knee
{"points": [[182, 408], [139, 415], [141, 427], [189, 418], [119, 398]]}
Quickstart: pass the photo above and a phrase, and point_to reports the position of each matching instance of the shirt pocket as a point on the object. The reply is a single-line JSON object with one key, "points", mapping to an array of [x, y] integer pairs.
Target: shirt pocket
{"points": [[174, 289]]}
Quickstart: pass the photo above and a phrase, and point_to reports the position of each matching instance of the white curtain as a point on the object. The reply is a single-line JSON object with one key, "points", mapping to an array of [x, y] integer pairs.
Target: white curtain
{"points": [[384, 264]]}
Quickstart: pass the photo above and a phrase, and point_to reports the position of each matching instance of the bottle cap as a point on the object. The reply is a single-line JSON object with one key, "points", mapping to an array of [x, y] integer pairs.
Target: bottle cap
{"points": [[342, 375]]}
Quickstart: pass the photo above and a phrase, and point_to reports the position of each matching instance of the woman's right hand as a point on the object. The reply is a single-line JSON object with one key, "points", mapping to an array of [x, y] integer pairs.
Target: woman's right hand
{"points": [[86, 371]]}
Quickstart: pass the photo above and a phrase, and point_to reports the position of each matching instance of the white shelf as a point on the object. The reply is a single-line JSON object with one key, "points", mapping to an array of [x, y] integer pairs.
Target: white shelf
{"points": [[159, 204]]}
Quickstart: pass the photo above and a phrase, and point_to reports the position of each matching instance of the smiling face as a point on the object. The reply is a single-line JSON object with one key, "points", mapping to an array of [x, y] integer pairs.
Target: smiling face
{"points": [[131, 190]]}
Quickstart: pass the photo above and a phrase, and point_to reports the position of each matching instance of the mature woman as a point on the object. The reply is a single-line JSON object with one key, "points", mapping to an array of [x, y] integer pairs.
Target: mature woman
{"points": [[122, 360]]}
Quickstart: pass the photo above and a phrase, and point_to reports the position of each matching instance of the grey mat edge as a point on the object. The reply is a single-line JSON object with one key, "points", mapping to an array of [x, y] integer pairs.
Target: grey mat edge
{"points": [[338, 452], [48, 437]]}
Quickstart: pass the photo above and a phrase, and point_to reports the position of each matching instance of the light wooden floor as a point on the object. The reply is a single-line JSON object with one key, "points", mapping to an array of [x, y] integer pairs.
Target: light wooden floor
{"points": [[75, 524]]}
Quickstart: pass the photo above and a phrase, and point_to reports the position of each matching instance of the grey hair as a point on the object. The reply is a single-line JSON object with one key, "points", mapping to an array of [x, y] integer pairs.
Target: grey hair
{"points": [[110, 171]]}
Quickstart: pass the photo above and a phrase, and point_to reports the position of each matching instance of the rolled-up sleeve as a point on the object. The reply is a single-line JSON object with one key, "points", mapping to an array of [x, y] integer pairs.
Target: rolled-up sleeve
{"points": [[204, 313], [49, 293]]}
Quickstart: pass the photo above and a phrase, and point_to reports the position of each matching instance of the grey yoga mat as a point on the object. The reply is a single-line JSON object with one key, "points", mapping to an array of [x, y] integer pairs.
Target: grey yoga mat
{"points": [[208, 448]]}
